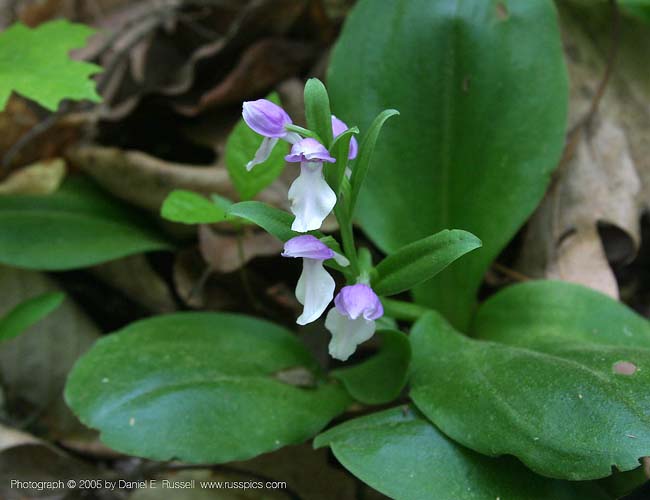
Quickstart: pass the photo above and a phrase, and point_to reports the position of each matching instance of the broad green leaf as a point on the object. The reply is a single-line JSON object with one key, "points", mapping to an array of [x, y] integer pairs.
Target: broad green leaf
{"points": [[191, 208], [272, 220], [75, 227], [381, 378], [481, 88], [317, 110], [240, 149], [367, 148], [566, 407], [557, 311], [402, 455], [36, 64], [27, 313], [415, 263], [200, 387]]}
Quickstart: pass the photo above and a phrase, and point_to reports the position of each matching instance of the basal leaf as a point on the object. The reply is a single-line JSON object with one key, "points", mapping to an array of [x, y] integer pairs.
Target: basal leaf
{"points": [[558, 311], [402, 455], [35, 62], [27, 313], [481, 88], [421, 260], [240, 149], [567, 407], [78, 226], [200, 387], [381, 378]]}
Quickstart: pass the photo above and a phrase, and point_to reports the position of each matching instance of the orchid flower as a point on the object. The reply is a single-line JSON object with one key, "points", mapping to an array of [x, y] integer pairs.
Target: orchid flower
{"points": [[352, 320], [338, 127], [268, 120], [315, 287], [312, 199]]}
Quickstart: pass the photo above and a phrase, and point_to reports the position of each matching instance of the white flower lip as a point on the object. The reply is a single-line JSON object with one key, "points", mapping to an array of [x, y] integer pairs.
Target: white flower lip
{"points": [[311, 197]]}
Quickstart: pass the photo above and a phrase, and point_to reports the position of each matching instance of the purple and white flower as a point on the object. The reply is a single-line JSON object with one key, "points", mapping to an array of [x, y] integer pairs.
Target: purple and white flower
{"points": [[269, 120], [312, 199], [352, 320], [315, 287], [338, 127]]}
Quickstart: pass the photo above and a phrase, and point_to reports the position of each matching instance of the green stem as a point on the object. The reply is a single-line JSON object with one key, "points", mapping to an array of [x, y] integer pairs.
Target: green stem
{"points": [[406, 311], [347, 238]]}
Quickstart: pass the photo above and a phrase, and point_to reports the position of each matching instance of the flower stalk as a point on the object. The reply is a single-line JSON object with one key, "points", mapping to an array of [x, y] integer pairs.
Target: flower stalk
{"points": [[324, 152]]}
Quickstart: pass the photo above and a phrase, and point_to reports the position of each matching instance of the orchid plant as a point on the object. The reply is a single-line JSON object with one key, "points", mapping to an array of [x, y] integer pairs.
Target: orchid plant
{"points": [[472, 398], [329, 181]]}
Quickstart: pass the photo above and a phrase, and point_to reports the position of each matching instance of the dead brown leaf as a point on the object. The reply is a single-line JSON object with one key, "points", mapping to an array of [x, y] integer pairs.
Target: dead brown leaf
{"points": [[145, 181], [19, 118], [34, 365], [194, 286], [225, 253], [36, 179], [23, 457], [606, 181], [308, 472], [136, 279], [262, 65]]}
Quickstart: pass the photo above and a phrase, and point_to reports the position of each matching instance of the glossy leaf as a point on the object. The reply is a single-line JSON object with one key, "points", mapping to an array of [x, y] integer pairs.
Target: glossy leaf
{"points": [[557, 311], [75, 227], [317, 110], [36, 63], [200, 387], [422, 260], [191, 208], [240, 149], [565, 406], [271, 219], [481, 88], [27, 313], [381, 378], [402, 455]]}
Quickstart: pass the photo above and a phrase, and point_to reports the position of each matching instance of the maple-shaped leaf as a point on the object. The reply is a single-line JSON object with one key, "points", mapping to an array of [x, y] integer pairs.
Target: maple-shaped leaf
{"points": [[36, 64]]}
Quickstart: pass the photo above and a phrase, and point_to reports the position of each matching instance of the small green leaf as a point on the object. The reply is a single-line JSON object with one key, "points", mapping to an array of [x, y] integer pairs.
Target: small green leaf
{"points": [[402, 455], [335, 172], [566, 406], [380, 379], [78, 226], [367, 148], [201, 387], [36, 64], [272, 220], [240, 149], [317, 110], [422, 260], [27, 313], [191, 208]]}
